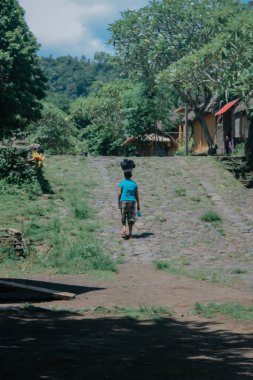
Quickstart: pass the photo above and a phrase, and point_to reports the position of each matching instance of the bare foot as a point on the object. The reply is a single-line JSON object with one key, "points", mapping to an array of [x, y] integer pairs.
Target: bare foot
{"points": [[123, 231]]}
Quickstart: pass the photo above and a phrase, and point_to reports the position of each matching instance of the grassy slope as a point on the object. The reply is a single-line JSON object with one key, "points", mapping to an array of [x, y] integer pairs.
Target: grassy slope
{"points": [[60, 228]]}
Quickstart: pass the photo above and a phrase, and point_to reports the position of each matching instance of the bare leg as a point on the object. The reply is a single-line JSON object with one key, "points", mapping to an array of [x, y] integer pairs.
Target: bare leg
{"points": [[130, 225]]}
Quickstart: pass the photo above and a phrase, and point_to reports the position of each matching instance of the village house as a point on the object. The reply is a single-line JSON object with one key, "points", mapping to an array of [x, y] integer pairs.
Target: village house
{"points": [[154, 144], [197, 140], [231, 120], [240, 123]]}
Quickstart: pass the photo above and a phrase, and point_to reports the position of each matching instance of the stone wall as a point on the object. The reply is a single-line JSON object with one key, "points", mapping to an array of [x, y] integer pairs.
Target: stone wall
{"points": [[12, 238]]}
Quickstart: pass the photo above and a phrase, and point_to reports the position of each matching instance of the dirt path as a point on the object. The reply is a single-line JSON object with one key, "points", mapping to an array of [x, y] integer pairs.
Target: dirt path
{"points": [[209, 263]]}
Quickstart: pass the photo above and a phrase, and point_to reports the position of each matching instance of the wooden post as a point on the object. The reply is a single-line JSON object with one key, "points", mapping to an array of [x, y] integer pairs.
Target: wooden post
{"points": [[186, 130]]}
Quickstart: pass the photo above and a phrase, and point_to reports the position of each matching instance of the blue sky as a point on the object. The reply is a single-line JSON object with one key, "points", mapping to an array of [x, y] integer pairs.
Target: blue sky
{"points": [[75, 27]]}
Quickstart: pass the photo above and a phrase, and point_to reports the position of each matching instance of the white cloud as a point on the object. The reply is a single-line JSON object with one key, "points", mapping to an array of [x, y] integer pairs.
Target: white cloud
{"points": [[74, 27]]}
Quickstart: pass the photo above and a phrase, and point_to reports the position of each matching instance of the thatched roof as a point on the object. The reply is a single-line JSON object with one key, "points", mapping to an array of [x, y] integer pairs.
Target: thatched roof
{"points": [[242, 107], [182, 109], [212, 107], [152, 137]]}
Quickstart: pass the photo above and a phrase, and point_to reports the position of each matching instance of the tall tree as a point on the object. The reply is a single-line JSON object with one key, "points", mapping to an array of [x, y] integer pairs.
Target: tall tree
{"points": [[191, 87], [148, 40], [223, 66], [22, 83], [101, 116]]}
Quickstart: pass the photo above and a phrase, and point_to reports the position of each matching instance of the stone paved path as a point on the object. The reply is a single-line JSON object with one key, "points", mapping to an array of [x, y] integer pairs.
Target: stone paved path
{"points": [[175, 192]]}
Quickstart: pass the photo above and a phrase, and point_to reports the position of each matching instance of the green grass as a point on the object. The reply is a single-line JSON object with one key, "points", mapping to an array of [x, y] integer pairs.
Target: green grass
{"points": [[196, 198], [181, 267], [60, 229], [239, 150], [142, 312], [80, 208], [238, 271], [180, 192], [214, 219], [232, 310], [211, 217], [170, 267], [27, 307], [7, 253]]}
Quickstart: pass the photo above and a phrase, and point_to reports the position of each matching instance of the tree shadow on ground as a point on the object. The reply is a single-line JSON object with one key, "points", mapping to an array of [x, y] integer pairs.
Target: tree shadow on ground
{"points": [[42, 344], [12, 295]]}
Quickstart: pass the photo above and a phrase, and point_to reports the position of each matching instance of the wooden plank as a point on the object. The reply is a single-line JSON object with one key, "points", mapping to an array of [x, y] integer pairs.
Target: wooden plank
{"points": [[51, 292]]}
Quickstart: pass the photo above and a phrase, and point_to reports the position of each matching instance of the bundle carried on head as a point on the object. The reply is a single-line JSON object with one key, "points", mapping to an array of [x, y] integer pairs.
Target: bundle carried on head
{"points": [[127, 165]]}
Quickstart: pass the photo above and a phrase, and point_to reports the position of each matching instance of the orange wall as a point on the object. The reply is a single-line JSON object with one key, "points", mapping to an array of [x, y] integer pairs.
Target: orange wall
{"points": [[200, 144]]}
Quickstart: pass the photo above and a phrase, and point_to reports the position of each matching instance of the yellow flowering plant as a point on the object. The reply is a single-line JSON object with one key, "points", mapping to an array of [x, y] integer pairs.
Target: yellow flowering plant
{"points": [[38, 158]]}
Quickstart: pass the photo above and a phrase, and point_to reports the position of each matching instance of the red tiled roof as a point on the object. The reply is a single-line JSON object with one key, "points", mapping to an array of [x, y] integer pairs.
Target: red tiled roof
{"points": [[226, 107]]}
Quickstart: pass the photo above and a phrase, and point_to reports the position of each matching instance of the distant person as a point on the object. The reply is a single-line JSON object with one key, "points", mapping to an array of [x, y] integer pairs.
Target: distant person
{"points": [[128, 199], [228, 146]]}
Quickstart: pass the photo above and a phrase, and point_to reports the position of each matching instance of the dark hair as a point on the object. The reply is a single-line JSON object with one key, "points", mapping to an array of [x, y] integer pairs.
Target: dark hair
{"points": [[127, 175]]}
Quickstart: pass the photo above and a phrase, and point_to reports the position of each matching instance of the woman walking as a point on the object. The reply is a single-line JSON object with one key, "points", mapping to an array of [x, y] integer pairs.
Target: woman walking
{"points": [[128, 198]]}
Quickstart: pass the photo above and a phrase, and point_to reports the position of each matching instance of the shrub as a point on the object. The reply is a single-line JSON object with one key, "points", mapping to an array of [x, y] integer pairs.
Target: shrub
{"points": [[54, 131], [16, 169], [239, 150], [103, 140], [180, 151]]}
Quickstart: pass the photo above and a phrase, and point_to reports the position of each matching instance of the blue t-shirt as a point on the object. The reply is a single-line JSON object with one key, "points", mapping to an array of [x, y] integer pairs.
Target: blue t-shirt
{"points": [[129, 188]]}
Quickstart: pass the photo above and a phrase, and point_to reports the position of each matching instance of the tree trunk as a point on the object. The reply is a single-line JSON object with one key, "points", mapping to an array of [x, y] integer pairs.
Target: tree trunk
{"points": [[204, 126], [249, 145]]}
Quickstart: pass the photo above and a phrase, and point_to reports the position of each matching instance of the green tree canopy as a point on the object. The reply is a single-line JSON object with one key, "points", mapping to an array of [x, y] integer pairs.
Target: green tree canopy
{"points": [[70, 77], [224, 66], [148, 40], [54, 131], [102, 116], [22, 83], [152, 38]]}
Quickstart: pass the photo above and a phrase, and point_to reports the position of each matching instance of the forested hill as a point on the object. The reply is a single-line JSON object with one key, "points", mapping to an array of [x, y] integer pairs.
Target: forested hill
{"points": [[72, 77]]}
